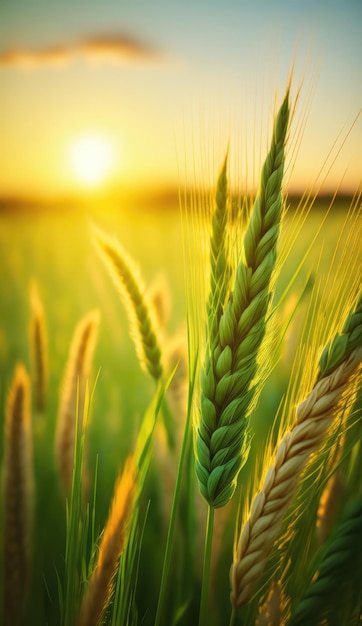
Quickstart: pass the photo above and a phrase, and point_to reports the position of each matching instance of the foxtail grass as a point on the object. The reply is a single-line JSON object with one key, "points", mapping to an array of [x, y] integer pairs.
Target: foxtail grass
{"points": [[112, 544], [313, 418], [72, 393], [38, 351], [17, 498]]}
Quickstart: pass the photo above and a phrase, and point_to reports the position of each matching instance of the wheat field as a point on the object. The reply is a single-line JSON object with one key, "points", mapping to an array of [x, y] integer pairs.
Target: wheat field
{"points": [[180, 393]]}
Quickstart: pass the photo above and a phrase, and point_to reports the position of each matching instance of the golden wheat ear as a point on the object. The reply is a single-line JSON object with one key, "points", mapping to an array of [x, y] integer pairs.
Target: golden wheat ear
{"points": [[73, 394], [313, 418], [112, 544], [18, 485]]}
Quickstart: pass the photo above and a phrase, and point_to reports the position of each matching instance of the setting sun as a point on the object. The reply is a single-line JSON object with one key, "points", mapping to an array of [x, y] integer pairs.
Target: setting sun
{"points": [[91, 158]]}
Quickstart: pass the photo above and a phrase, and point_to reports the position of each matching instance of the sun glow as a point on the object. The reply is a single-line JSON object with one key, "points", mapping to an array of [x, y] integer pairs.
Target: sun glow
{"points": [[92, 158]]}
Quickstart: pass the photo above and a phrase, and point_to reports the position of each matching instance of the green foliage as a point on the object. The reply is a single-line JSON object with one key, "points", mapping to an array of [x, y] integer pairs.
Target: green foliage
{"points": [[77, 529]]}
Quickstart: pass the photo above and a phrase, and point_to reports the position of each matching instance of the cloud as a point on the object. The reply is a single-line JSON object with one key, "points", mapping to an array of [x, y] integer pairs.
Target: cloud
{"points": [[119, 49]]}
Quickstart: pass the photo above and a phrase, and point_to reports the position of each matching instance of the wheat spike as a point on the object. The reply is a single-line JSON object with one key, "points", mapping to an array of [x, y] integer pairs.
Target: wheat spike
{"points": [[343, 343], [17, 497], [227, 387], [313, 417], [220, 270], [113, 540], [73, 391], [140, 310], [339, 572]]}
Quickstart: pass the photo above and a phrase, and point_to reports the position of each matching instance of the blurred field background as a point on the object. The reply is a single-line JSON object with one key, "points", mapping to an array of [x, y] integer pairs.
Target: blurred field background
{"points": [[54, 248]]}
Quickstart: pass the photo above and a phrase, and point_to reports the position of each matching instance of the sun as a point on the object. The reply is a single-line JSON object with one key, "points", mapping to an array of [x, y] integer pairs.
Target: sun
{"points": [[92, 158]]}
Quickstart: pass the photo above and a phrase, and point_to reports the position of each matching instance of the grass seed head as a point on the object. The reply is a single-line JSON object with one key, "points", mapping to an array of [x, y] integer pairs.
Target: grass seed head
{"points": [[38, 347], [140, 309], [112, 544], [73, 394], [17, 496]]}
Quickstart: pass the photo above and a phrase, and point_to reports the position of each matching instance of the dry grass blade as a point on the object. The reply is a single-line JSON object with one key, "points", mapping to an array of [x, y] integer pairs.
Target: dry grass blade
{"points": [[113, 541], [17, 497]]}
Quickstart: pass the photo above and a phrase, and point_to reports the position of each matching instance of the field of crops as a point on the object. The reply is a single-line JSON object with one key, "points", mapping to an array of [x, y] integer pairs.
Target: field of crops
{"points": [[54, 249]]}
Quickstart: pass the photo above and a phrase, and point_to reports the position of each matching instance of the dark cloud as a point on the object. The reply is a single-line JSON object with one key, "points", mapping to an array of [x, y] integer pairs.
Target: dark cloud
{"points": [[119, 49]]}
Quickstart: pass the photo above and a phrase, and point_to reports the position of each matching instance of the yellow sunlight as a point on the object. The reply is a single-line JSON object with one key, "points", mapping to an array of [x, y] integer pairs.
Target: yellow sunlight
{"points": [[92, 158]]}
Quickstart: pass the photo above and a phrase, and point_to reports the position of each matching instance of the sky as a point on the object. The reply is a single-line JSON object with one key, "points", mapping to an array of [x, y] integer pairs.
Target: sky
{"points": [[164, 87]]}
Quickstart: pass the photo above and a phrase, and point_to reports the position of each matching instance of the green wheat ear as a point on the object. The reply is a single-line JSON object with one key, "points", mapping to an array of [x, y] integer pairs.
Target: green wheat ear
{"points": [[140, 311], [338, 574], [220, 271], [342, 344], [230, 366]]}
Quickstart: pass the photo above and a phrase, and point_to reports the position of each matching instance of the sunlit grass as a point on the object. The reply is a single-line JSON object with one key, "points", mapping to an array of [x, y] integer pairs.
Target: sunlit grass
{"points": [[160, 578]]}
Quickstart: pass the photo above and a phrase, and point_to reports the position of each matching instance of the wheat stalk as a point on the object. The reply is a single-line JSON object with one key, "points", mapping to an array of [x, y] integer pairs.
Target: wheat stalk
{"points": [[313, 417], [113, 541], [17, 496], [38, 345], [73, 394], [338, 572], [141, 314], [227, 386]]}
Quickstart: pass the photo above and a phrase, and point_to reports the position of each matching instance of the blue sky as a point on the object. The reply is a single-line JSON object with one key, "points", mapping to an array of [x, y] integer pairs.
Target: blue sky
{"points": [[203, 64]]}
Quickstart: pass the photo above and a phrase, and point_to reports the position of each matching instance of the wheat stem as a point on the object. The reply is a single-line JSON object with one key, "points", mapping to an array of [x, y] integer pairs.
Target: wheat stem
{"points": [[206, 566], [175, 503]]}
